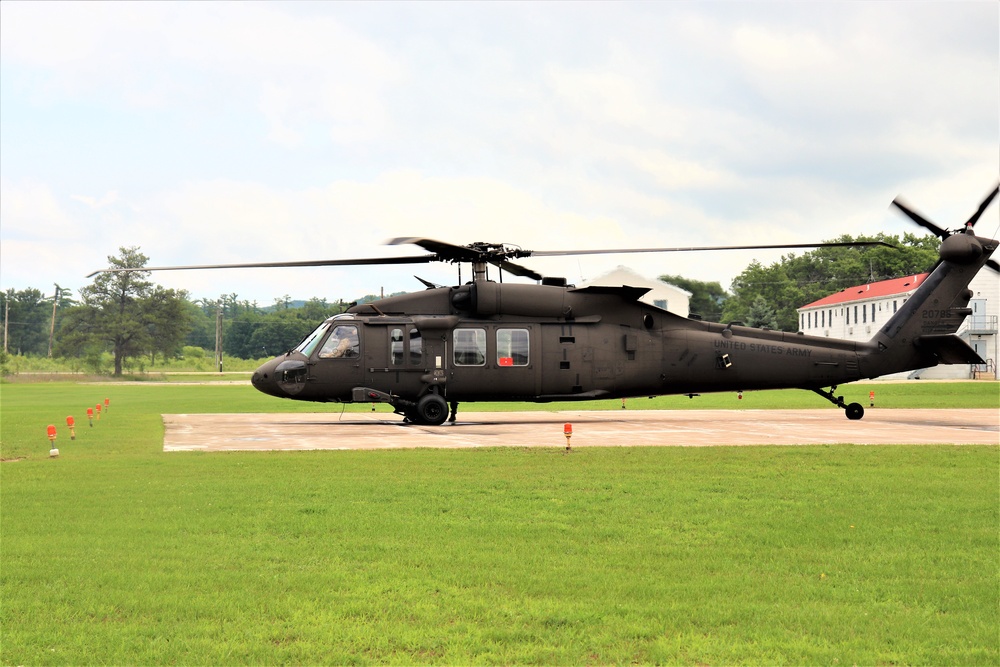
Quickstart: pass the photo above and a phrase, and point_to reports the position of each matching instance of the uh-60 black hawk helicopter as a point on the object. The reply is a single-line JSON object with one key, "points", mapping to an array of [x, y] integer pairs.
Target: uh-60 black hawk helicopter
{"points": [[493, 341]]}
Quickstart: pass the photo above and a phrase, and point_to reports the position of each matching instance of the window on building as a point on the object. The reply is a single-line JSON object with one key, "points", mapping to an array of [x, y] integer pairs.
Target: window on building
{"points": [[873, 312], [894, 306], [660, 303]]}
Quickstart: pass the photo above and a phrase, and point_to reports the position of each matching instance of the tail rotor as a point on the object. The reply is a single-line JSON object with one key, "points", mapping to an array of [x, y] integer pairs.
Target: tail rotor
{"points": [[942, 233]]}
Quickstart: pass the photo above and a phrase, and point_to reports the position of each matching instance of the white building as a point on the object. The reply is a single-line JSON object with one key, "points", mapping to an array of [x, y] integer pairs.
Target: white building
{"points": [[857, 313], [662, 295]]}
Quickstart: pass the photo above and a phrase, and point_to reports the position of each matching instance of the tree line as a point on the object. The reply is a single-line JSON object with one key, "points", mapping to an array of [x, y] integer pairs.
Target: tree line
{"points": [[129, 317], [768, 296]]}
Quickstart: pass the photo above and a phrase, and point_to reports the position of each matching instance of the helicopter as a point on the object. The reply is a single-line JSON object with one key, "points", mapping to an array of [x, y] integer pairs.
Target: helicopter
{"points": [[425, 352]]}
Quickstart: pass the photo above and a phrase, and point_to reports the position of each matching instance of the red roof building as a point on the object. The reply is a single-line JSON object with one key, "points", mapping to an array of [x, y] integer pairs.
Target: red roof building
{"points": [[857, 312], [883, 288]]}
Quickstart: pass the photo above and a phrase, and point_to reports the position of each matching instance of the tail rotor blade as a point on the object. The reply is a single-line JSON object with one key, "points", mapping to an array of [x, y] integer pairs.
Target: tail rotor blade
{"points": [[920, 220], [971, 222]]}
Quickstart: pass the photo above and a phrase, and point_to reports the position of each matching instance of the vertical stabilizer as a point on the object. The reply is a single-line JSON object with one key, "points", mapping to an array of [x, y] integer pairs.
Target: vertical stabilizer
{"points": [[922, 332]]}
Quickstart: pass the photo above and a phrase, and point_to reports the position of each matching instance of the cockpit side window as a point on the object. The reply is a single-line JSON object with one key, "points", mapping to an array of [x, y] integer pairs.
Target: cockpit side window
{"points": [[343, 342]]}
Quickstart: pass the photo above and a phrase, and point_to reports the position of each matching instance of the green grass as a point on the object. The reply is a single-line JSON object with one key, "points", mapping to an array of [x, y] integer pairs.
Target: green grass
{"points": [[117, 553]]}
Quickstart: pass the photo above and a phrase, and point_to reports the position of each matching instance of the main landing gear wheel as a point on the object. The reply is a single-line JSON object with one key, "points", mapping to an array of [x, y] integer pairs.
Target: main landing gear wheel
{"points": [[432, 410], [854, 411]]}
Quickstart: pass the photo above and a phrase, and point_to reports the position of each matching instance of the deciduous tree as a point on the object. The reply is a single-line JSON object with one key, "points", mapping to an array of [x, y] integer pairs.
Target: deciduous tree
{"points": [[124, 313], [707, 299]]}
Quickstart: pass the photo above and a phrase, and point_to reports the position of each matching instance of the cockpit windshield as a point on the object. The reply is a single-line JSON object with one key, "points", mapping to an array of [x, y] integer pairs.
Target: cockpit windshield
{"points": [[310, 342]]}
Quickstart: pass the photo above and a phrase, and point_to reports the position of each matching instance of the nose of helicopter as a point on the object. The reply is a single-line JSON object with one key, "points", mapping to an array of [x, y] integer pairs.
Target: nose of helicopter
{"points": [[264, 379], [282, 377]]}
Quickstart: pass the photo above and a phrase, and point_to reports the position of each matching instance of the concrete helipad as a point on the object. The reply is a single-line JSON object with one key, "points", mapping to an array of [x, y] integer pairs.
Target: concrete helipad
{"points": [[626, 428]]}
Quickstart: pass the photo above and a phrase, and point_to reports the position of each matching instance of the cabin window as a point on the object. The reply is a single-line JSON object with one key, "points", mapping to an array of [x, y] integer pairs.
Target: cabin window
{"points": [[470, 347], [342, 343], [660, 303], [416, 347], [894, 306], [512, 347], [396, 347]]}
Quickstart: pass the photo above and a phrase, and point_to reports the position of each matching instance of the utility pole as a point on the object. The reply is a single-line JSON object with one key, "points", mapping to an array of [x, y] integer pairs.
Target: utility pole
{"points": [[218, 337], [52, 329], [6, 318]]}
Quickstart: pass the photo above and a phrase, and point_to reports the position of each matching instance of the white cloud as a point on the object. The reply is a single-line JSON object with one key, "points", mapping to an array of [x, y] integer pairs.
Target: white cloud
{"points": [[307, 69], [258, 131], [30, 209], [108, 199]]}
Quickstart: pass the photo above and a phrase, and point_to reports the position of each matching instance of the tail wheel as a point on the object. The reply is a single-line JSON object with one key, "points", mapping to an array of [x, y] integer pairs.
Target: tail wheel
{"points": [[432, 410], [855, 411]]}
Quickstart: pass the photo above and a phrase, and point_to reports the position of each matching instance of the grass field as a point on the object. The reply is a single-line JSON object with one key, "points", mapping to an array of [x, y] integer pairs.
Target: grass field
{"points": [[117, 553]]}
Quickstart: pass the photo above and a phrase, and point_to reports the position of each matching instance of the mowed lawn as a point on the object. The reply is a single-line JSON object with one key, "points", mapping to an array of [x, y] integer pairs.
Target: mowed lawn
{"points": [[117, 553]]}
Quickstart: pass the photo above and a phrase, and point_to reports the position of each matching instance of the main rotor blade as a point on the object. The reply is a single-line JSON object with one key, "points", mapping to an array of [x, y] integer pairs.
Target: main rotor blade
{"points": [[444, 251], [920, 220], [839, 244], [365, 261], [971, 222], [518, 270]]}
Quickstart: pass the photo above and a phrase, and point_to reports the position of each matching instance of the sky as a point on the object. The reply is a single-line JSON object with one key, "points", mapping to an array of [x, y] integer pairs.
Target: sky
{"points": [[244, 132]]}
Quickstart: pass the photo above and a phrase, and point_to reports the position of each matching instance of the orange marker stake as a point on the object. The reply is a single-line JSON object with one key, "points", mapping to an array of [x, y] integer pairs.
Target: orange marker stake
{"points": [[568, 432], [72, 427], [107, 404], [98, 409], [90, 416], [871, 399], [51, 432]]}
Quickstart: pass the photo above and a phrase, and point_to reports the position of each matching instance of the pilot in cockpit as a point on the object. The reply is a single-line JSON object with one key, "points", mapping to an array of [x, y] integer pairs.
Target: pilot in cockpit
{"points": [[343, 342]]}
